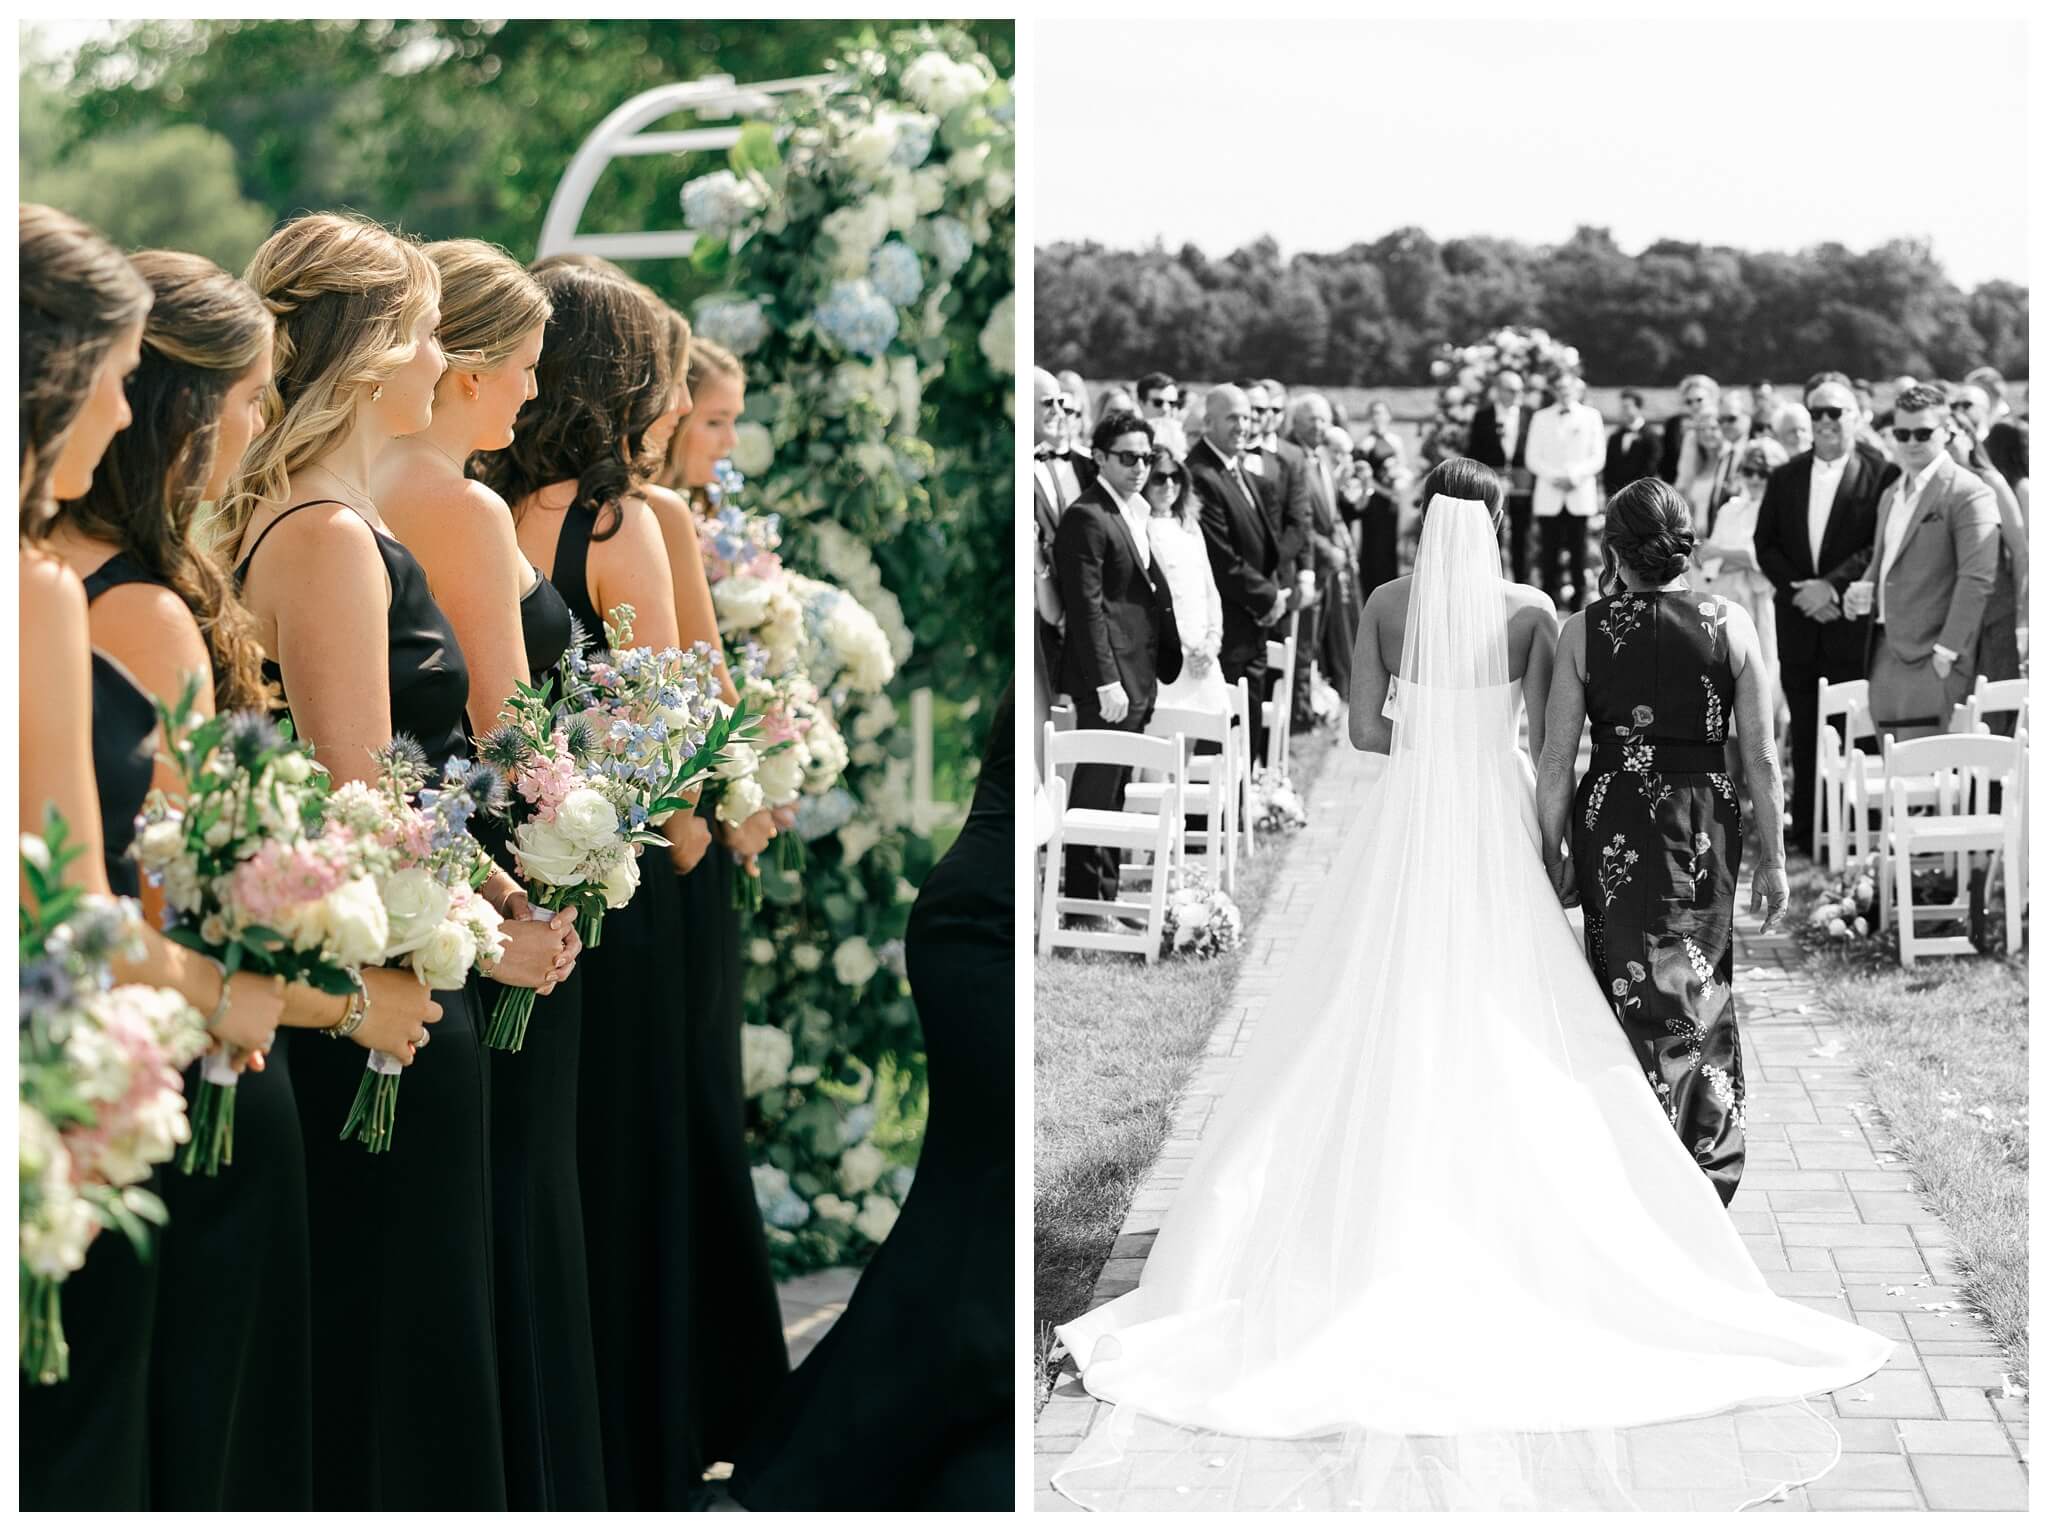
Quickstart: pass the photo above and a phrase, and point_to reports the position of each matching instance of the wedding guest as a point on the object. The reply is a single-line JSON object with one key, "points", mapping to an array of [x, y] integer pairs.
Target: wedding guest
{"points": [[1932, 575], [1998, 655], [1663, 675], [1080, 423], [1792, 429], [1279, 461], [1698, 394], [2004, 434], [1159, 401], [1121, 637], [1735, 416], [1114, 400], [1444, 436], [1815, 529], [1241, 522], [1181, 556], [1881, 422], [1054, 487], [106, 575], [513, 626], [1499, 439], [1567, 446], [1707, 449], [1727, 568], [1327, 623], [361, 652], [739, 1354], [573, 475], [1633, 448], [1763, 407], [908, 1403], [1384, 478]]}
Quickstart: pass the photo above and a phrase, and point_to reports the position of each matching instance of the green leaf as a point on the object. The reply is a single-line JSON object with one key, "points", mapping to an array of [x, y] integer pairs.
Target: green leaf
{"points": [[755, 150]]}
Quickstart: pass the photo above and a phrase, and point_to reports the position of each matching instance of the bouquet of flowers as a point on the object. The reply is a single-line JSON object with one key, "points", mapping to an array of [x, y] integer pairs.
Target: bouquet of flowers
{"points": [[1845, 911], [100, 1094], [662, 728], [1276, 805], [255, 876], [1324, 701], [427, 868], [577, 832], [1201, 919], [1535, 354]]}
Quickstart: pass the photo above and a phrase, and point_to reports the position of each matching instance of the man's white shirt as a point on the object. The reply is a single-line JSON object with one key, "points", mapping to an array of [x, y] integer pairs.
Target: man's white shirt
{"points": [[1905, 505], [1820, 501]]}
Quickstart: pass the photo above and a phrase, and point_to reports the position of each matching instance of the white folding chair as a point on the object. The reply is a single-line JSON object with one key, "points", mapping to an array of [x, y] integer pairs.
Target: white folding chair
{"points": [[1995, 697], [1836, 837], [1241, 746], [1211, 789], [1279, 704], [1112, 828], [1960, 827]]}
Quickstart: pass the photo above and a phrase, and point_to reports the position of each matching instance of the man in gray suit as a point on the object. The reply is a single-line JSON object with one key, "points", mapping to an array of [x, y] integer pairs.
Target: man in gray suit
{"points": [[1931, 573]]}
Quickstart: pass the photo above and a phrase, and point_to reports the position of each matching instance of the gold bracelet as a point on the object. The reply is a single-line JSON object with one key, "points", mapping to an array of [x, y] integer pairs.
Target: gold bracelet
{"points": [[358, 1007]]}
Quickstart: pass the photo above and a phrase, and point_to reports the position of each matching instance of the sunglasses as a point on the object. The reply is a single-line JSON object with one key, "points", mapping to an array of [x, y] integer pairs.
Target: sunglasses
{"points": [[1914, 433], [1129, 459], [1160, 480], [1826, 411], [1164, 401], [1729, 419], [1698, 401]]}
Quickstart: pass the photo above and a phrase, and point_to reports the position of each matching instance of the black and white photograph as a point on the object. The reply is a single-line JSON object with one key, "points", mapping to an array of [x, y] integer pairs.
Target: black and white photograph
{"points": [[1530, 576]]}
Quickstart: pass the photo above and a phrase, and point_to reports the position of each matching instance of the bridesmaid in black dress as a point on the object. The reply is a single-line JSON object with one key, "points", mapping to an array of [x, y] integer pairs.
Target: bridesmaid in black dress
{"points": [[572, 476], [87, 752], [405, 1388], [907, 1403], [1664, 673], [741, 1357], [513, 627]]}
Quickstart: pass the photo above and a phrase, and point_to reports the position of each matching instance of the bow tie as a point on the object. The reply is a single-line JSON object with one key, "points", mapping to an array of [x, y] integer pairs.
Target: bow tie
{"points": [[1042, 451]]}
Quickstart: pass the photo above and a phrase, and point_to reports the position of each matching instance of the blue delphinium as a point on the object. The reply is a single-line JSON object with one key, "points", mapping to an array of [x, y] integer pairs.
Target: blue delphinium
{"points": [[857, 318], [895, 271]]}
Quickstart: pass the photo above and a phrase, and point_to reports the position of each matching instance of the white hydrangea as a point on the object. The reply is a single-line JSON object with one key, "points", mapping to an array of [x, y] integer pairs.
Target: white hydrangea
{"points": [[877, 1217], [939, 83], [909, 388], [760, 951], [854, 231], [837, 1208], [765, 1055], [869, 147], [853, 962], [999, 336], [860, 1167], [856, 838], [806, 957], [721, 201], [753, 450]]}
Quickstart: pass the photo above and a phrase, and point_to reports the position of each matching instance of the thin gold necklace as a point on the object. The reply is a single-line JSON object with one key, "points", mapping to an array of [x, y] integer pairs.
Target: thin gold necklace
{"points": [[354, 489], [460, 464]]}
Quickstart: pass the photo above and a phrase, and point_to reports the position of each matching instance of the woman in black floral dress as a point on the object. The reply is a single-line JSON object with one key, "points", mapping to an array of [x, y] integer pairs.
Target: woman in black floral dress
{"points": [[1664, 672]]}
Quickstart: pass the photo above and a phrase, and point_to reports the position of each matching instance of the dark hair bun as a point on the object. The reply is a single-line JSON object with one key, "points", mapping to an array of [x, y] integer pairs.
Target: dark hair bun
{"points": [[1649, 530]]}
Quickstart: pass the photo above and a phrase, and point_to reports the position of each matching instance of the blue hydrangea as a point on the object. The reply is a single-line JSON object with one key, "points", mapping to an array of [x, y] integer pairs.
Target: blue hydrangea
{"points": [[739, 324], [817, 817], [913, 141], [896, 273], [899, 1181], [951, 243], [719, 201], [856, 318], [856, 1125]]}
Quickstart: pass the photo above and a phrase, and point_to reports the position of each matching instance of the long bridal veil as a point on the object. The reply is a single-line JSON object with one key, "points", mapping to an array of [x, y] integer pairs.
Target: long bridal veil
{"points": [[1439, 1247]]}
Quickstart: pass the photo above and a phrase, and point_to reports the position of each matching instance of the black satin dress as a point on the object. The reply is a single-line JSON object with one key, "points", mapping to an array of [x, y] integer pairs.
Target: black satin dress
{"points": [[633, 1156], [908, 1401], [85, 1440], [547, 1379], [405, 1377]]}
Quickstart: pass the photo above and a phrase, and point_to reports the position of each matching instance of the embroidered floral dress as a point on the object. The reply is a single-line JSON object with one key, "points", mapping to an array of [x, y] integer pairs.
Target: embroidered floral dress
{"points": [[1657, 838]]}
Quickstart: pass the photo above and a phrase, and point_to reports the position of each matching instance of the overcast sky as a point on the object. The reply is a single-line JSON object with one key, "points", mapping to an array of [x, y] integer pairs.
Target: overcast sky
{"points": [[1326, 133]]}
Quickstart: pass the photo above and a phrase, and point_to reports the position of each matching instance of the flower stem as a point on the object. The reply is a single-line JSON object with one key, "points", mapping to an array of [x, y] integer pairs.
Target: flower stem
{"points": [[507, 1031], [45, 1355], [375, 1112], [212, 1143]]}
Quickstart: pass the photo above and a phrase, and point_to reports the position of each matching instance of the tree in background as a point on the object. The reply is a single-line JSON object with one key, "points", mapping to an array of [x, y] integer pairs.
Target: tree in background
{"points": [[1376, 313]]}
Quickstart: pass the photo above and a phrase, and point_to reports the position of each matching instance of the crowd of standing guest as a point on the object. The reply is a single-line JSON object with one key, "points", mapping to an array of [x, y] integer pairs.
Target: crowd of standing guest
{"points": [[1810, 511]]}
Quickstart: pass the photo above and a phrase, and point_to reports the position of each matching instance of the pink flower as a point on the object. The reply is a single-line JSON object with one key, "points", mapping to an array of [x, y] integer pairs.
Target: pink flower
{"points": [[280, 878], [765, 565], [547, 782], [776, 727]]}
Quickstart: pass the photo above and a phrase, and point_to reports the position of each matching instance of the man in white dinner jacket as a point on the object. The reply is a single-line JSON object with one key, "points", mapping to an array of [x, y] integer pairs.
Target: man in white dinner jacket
{"points": [[1567, 449]]}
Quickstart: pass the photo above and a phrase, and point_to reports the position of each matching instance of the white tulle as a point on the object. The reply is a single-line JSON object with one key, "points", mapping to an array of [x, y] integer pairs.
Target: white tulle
{"points": [[1439, 1247]]}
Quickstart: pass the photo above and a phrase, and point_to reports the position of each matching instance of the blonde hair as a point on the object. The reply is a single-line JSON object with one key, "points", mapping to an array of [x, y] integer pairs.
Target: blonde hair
{"points": [[489, 303], [711, 362], [347, 295]]}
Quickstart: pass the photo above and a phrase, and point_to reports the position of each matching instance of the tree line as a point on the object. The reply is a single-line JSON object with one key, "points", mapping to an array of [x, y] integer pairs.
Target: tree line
{"points": [[1376, 313]]}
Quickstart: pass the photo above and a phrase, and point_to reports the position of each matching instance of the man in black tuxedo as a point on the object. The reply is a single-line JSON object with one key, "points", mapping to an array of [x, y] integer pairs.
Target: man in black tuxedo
{"points": [[1121, 639], [1635, 447], [1241, 522], [1499, 437], [1815, 533]]}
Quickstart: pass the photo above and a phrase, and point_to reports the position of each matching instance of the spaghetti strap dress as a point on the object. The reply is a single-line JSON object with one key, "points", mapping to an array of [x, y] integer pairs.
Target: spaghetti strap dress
{"points": [[405, 1376], [633, 1156]]}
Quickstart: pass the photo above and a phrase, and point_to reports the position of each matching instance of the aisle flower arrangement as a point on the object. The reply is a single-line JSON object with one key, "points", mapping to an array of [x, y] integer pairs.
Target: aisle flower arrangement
{"points": [[1277, 807], [1201, 919], [1536, 354], [101, 1102], [862, 243]]}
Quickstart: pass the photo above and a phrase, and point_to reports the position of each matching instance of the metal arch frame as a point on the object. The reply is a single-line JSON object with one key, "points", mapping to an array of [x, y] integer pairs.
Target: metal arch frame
{"points": [[619, 137]]}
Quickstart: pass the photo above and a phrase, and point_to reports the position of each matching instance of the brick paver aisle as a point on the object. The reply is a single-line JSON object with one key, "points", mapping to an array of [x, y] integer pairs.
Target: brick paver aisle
{"points": [[1826, 1205]]}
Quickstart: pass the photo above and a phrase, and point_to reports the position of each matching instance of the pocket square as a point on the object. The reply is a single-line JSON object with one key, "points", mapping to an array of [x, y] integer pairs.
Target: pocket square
{"points": [[1932, 515]]}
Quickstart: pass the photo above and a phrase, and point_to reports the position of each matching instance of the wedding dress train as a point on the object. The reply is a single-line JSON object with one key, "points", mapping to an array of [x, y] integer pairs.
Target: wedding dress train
{"points": [[1440, 1247]]}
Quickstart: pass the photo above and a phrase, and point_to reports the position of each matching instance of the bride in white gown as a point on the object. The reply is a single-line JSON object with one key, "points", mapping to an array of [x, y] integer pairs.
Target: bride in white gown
{"points": [[1440, 1247]]}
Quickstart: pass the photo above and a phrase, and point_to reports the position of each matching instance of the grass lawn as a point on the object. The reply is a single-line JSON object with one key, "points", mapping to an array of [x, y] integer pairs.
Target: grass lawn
{"points": [[1115, 1044], [1944, 1044]]}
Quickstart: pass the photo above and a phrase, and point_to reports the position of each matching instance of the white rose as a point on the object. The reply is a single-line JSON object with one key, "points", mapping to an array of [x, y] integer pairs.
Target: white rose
{"points": [[219, 832], [782, 776], [828, 756], [621, 879], [741, 601], [292, 767], [545, 854], [856, 838], [587, 820], [354, 929], [837, 1208], [753, 451], [160, 842], [806, 957], [740, 801], [761, 951], [869, 147], [877, 1217], [737, 761], [444, 959], [853, 962], [414, 903], [765, 1054], [860, 1167]]}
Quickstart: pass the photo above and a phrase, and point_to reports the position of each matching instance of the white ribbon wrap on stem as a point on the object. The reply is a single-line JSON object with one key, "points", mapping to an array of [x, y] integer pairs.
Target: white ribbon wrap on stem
{"points": [[217, 1070], [384, 1063]]}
